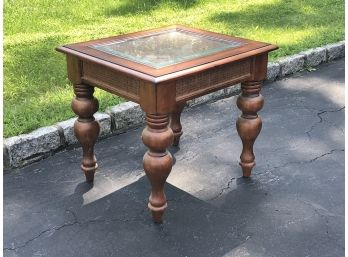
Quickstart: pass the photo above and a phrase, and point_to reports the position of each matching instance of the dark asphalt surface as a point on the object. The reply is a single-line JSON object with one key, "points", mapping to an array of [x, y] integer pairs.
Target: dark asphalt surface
{"points": [[292, 206]]}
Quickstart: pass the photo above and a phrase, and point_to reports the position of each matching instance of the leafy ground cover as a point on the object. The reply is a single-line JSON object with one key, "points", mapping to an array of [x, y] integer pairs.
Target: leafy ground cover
{"points": [[36, 90]]}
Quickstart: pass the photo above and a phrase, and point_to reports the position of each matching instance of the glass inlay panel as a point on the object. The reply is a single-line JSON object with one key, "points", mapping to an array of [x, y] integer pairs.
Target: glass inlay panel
{"points": [[166, 48]]}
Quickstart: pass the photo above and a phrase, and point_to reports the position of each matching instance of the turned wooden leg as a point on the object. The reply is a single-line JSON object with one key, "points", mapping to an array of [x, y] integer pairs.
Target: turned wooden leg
{"points": [[86, 128], [158, 162], [249, 124], [175, 123]]}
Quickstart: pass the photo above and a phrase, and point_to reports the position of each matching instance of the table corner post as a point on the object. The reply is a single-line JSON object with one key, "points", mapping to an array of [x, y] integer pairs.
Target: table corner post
{"points": [[158, 103], [158, 161], [86, 128], [249, 123]]}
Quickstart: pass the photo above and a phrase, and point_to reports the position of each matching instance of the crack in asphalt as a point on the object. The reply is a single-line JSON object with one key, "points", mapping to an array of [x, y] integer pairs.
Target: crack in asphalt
{"points": [[223, 189], [325, 214], [278, 167], [308, 132], [55, 228], [327, 225], [299, 162], [74, 222]]}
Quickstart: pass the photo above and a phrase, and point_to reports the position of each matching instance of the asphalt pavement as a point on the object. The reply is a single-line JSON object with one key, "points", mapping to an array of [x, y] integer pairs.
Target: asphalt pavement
{"points": [[293, 205]]}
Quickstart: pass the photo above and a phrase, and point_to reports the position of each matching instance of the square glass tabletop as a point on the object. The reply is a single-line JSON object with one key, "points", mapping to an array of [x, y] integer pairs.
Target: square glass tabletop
{"points": [[165, 48]]}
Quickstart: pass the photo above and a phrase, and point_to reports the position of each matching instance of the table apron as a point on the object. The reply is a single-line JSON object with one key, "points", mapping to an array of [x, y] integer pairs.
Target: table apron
{"points": [[179, 90], [213, 79], [112, 81]]}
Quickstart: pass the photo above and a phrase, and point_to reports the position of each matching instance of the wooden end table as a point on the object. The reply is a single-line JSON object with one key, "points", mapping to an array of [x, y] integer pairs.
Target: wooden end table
{"points": [[161, 69]]}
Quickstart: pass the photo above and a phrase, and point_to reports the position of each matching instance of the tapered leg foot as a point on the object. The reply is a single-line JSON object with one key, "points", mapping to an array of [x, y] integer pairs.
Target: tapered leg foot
{"points": [[177, 136], [158, 162], [175, 123], [90, 171], [86, 128], [157, 213], [249, 124]]}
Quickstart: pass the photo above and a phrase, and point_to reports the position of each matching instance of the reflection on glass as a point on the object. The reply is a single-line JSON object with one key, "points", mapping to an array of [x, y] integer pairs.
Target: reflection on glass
{"points": [[166, 48]]}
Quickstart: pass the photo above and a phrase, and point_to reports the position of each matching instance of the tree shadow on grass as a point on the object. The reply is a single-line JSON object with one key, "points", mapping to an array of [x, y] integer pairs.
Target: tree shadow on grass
{"points": [[294, 20], [131, 7], [273, 15], [249, 17]]}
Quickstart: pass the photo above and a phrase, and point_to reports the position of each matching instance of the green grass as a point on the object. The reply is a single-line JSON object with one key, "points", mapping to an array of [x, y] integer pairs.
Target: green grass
{"points": [[36, 90]]}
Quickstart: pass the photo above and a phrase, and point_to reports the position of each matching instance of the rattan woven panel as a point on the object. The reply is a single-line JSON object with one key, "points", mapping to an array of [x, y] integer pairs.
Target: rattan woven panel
{"points": [[215, 77], [111, 79]]}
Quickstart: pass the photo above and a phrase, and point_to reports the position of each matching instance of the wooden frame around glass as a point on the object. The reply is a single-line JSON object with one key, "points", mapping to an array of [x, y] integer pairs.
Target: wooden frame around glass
{"points": [[83, 51]]}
